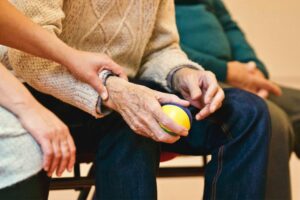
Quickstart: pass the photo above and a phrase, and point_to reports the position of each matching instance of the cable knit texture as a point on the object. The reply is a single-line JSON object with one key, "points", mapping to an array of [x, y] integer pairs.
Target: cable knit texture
{"points": [[4, 57], [139, 35]]}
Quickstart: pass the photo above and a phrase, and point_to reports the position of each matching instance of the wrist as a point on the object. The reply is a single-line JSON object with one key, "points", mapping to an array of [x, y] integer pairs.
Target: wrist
{"points": [[115, 87], [23, 107], [231, 68], [180, 73], [68, 57], [115, 81]]}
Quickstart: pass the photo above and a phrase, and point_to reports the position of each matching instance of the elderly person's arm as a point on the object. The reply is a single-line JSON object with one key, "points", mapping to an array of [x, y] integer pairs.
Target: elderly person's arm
{"points": [[166, 64]]}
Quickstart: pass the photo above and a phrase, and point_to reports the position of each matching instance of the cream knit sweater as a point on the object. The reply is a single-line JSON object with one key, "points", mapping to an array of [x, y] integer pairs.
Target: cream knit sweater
{"points": [[140, 35]]}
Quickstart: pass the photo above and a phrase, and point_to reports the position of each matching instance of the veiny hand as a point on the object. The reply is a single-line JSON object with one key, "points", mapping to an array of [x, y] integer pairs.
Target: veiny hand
{"points": [[200, 88], [141, 108], [246, 76], [86, 66], [53, 135]]}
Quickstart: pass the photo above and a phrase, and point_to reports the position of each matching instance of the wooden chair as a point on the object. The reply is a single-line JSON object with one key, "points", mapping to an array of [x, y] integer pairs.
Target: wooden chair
{"points": [[83, 184]]}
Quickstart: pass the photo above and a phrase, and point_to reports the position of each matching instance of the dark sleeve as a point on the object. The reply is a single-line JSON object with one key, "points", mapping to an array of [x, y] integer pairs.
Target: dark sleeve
{"points": [[208, 62], [241, 49]]}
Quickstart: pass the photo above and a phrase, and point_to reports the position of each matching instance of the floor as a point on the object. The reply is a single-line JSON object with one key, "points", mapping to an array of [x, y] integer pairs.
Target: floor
{"points": [[185, 188]]}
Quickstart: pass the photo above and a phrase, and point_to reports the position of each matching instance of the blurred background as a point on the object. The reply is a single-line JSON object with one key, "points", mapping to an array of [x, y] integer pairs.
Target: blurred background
{"points": [[273, 28]]}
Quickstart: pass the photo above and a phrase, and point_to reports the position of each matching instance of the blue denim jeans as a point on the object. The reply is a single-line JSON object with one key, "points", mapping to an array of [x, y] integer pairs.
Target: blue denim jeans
{"points": [[237, 137]]}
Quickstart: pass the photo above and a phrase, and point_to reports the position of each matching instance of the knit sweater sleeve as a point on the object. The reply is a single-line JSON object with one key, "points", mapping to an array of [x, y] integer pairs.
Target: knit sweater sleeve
{"points": [[241, 49], [47, 76], [163, 52]]}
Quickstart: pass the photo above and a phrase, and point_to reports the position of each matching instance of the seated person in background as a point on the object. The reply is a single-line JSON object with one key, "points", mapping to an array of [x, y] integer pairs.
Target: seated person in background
{"points": [[142, 37], [31, 137], [211, 38]]}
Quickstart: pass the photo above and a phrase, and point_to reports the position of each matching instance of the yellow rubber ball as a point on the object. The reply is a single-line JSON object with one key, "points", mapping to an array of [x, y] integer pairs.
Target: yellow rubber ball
{"points": [[179, 114]]}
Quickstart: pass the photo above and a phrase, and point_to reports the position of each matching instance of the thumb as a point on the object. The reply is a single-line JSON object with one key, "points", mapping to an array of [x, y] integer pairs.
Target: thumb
{"points": [[171, 98], [251, 66], [97, 84], [116, 69]]}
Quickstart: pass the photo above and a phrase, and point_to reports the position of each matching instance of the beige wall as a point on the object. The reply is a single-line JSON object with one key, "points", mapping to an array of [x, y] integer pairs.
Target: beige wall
{"points": [[273, 27]]}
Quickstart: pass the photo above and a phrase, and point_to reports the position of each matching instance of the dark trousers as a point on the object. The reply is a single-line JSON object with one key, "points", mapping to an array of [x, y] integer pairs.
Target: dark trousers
{"points": [[289, 103], [33, 188], [237, 137]]}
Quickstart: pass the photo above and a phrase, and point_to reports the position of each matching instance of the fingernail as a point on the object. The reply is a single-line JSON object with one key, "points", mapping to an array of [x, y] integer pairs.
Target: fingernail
{"points": [[213, 108], [104, 96], [185, 132]]}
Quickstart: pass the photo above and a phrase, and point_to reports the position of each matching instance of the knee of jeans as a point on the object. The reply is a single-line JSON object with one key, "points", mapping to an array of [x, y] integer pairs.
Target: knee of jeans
{"points": [[246, 109], [249, 104]]}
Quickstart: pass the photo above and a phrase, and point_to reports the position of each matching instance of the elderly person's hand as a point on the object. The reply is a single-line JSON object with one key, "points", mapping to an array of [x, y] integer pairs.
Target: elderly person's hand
{"points": [[200, 88], [53, 136], [141, 108]]}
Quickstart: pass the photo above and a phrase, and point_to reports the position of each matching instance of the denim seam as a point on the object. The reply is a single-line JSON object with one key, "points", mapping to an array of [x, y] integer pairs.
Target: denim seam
{"points": [[225, 129], [219, 171]]}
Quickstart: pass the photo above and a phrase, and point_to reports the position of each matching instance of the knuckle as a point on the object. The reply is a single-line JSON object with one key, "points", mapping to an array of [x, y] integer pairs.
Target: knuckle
{"points": [[65, 128], [49, 153], [66, 155], [58, 155], [155, 109], [161, 137], [61, 129], [211, 74], [140, 129], [165, 122], [49, 134], [135, 129], [73, 150]]}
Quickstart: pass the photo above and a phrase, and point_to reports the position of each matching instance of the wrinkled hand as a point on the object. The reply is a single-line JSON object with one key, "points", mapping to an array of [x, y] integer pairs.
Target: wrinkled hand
{"points": [[246, 76], [86, 66], [201, 89], [141, 108], [53, 136]]}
